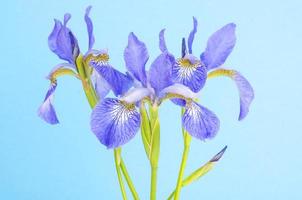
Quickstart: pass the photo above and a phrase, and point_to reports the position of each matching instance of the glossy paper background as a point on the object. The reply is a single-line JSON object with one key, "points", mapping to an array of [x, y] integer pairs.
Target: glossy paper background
{"points": [[263, 161]]}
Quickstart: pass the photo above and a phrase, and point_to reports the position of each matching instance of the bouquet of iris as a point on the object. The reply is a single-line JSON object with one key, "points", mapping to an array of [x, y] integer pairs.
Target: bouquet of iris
{"points": [[138, 94]]}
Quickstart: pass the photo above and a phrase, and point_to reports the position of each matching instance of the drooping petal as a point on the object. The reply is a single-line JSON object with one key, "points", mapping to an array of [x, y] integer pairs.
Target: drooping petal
{"points": [[219, 46], [46, 111], [136, 57], [61, 69], [89, 28], [114, 122], [246, 92], [160, 73], [200, 122], [189, 74], [62, 41], [136, 94], [101, 86], [192, 35], [162, 42], [119, 82]]}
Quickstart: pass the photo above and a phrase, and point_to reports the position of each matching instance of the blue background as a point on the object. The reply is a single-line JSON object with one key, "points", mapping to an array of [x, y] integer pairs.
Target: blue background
{"points": [[263, 161]]}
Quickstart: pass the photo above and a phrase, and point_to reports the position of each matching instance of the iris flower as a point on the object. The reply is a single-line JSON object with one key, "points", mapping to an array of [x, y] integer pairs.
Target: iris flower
{"points": [[193, 72], [64, 44], [116, 120]]}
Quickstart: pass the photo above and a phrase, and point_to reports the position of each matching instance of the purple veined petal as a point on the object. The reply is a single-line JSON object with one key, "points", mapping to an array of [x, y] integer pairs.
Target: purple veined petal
{"points": [[46, 111], [219, 46], [136, 56], [246, 94], [136, 94], [162, 42], [190, 74], [101, 86], [179, 89], [192, 35], [200, 122], [89, 28], [160, 73], [119, 82], [62, 41], [114, 122]]}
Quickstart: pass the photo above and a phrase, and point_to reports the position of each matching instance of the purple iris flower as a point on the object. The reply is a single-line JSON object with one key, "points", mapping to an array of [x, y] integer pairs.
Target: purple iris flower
{"points": [[116, 120], [65, 45], [192, 72]]}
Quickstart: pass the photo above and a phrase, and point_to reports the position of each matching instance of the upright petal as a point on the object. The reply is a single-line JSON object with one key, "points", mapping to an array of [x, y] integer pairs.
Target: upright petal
{"points": [[119, 82], [136, 57], [46, 111], [246, 92], [89, 28], [199, 121], [162, 42], [189, 72], [219, 46], [114, 122], [160, 73], [192, 35], [62, 41]]}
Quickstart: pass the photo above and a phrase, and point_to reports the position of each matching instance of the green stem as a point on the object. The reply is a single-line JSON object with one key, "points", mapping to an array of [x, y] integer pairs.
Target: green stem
{"points": [[117, 159], [92, 100], [128, 180], [153, 183], [187, 141]]}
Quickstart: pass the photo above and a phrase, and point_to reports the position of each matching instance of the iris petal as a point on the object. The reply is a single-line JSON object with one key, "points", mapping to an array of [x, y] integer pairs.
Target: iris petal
{"points": [[136, 94], [192, 76], [89, 28], [62, 41], [136, 57], [219, 46], [192, 35], [160, 75], [114, 123], [162, 42], [246, 92], [46, 111], [101, 86], [200, 122], [119, 82]]}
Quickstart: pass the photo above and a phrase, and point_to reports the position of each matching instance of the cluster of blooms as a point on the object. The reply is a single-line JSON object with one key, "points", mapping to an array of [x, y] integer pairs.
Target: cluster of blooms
{"points": [[116, 120]]}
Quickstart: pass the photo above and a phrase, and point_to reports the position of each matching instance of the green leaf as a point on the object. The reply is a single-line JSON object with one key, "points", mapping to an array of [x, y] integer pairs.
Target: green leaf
{"points": [[145, 129], [155, 136]]}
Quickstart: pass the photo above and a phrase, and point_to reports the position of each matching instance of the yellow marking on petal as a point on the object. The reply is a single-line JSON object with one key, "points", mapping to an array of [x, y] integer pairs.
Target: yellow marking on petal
{"points": [[128, 106], [61, 72], [183, 62], [221, 72]]}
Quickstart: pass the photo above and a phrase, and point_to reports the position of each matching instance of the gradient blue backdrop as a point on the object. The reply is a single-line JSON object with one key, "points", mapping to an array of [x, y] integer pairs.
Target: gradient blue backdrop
{"points": [[66, 162]]}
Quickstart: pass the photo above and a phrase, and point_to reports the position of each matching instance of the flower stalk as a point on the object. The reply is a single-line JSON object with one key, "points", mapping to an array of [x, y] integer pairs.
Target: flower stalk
{"points": [[92, 98]]}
